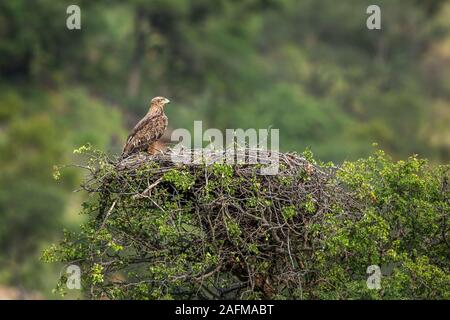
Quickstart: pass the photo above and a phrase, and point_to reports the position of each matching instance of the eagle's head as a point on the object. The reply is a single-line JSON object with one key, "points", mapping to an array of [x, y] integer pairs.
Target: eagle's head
{"points": [[159, 102]]}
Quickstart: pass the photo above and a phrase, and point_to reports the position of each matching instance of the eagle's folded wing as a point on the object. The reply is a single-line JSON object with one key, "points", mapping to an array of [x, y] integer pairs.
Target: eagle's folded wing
{"points": [[146, 131]]}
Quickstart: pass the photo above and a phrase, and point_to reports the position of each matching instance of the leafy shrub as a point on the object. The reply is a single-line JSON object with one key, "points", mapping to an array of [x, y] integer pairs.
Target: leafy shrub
{"points": [[158, 230]]}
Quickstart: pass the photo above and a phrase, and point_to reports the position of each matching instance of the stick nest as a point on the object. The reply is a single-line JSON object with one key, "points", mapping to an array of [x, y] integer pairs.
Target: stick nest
{"points": [[209, 229]]}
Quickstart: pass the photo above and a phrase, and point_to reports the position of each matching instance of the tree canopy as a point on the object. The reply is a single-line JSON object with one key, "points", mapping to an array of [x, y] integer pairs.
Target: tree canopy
{"points": [[161, 230]]}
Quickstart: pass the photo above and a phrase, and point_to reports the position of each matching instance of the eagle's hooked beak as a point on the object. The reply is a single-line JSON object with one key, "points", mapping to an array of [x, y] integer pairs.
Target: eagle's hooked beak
{"points": [[166, 101]]}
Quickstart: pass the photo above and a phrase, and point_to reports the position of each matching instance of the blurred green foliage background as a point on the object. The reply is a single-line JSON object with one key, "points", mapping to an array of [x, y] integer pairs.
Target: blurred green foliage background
{"points": [[310, 68]]}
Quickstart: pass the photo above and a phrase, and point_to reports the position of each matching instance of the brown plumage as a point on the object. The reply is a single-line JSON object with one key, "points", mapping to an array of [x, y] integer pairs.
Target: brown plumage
{"points": [[149, 130]]}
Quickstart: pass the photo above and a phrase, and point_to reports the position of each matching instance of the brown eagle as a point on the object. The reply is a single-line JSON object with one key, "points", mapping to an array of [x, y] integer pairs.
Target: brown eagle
{"points": [[149, 130]]}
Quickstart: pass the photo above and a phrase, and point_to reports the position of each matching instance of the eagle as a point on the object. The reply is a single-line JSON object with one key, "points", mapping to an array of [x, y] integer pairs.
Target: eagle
{"points": [[147, 132]]}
